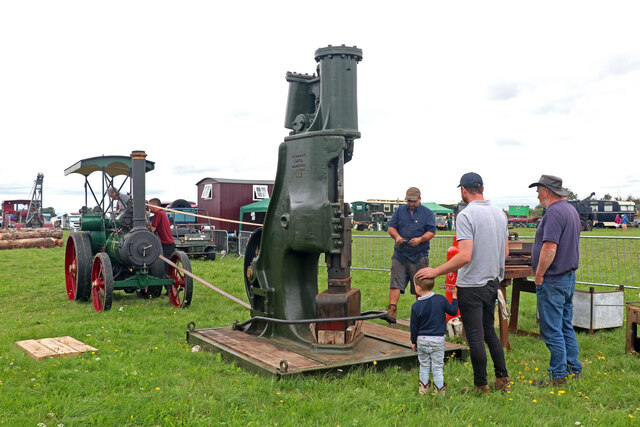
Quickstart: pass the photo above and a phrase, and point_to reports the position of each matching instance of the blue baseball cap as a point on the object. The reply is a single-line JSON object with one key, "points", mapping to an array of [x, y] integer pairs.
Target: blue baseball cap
{"points": [[471, 180]]}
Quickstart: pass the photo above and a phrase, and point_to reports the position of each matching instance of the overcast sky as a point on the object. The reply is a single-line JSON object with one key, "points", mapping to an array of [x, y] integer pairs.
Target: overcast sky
{"points": [[510, 90]]}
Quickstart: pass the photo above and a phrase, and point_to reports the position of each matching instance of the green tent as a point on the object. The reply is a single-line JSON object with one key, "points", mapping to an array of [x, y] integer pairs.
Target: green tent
{"points": [[259, 206], [437, 209]]}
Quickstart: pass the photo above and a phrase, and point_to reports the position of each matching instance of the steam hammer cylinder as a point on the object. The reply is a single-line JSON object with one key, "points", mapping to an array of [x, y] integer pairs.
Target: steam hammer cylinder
{"points": [[327, 101], [338, 88]]}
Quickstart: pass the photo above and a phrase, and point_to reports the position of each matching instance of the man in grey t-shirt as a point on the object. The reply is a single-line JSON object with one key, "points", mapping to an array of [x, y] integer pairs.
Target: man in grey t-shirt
{"points": [[481, 231]]}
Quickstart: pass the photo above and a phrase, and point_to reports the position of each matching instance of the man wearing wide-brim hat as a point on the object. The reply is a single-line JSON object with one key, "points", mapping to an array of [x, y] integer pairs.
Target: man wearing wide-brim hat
{"points": [[555, 258], [411, 227]]}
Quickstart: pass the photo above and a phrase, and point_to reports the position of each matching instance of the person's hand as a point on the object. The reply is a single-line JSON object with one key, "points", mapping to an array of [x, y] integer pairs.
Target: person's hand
{"points": [[426, 273], [415, 241], [454, 292], [399, 240], [538, 280], [414, 347]]}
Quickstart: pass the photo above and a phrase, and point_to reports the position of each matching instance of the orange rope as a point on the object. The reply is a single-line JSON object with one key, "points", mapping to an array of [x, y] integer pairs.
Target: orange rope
{"points": [[204, 216]]}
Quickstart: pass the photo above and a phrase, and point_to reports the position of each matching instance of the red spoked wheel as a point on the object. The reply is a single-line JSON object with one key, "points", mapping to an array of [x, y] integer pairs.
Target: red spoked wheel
{"points": [[182, 288], [101, 282], [77, 266]]}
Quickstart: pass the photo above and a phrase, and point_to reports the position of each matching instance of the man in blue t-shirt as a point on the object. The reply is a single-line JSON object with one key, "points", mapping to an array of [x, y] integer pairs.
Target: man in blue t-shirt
{"points": [[411, 226], [554, 258]]}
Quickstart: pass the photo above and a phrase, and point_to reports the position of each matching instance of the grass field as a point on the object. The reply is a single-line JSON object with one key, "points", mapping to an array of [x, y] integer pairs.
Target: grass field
{"points": [[145, 373]]}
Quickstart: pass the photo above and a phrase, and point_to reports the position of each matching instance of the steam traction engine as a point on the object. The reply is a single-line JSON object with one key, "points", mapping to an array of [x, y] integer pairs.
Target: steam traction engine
{"points": [[114, 250], [295, 328]]}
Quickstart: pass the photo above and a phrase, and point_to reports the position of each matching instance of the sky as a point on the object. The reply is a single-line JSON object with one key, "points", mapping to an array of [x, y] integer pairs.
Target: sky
{"points": [[510, 90]]}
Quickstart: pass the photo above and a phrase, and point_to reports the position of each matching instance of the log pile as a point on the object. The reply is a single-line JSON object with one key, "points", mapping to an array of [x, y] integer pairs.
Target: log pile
{"points": [[16, 238]]}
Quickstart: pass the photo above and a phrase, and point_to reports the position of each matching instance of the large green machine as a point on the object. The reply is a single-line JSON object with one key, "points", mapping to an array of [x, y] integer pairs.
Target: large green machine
{"points": [[114, 250], [307, 215], [298, 325]]}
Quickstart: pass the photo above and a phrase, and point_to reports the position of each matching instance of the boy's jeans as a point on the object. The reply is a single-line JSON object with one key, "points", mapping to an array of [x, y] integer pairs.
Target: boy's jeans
{"points": [[431, 357], [555, 307]]}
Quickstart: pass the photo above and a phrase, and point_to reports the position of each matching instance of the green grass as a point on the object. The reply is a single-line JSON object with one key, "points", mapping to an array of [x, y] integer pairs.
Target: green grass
{"points": [[145, 373]]}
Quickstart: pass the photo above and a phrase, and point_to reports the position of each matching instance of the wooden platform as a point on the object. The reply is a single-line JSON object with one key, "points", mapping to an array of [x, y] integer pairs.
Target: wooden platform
{"points": [[54, 347], [380, 344]]}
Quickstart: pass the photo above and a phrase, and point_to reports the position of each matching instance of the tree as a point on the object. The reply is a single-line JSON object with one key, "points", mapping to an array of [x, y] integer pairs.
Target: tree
{"points": [[537, 211], [50, 211], [607, 196], [572, 195]]}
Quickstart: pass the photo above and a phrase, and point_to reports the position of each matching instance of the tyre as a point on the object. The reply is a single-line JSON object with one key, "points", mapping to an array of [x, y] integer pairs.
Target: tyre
{"points": [[210, 254], [102, 282], [589, 225], [180, 203], [181, 292], [77, 266]]}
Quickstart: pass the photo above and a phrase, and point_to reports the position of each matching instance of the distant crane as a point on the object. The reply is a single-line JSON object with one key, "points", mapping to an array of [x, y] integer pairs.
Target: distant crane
{"points": [[34, 214]]}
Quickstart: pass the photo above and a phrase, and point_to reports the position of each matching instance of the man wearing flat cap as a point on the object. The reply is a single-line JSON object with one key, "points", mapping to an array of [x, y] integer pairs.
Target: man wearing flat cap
{"points": [[482, 234], [411, 226], [554, 258]]}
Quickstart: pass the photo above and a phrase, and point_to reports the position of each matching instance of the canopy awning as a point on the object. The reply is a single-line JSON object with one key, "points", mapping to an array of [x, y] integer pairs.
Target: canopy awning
{"points": [[112, 166], [437, 209], [259, 206]]}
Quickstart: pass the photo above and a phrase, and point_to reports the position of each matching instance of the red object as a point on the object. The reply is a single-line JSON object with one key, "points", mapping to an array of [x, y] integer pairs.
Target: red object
{"points": [[225, 197], [163, 229], [450, 281]]}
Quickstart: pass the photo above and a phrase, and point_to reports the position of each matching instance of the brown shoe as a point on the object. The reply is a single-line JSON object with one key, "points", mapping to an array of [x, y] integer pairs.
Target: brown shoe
{"points": [[424, 388], [483, 389], [503, 384], [392, 311], [555, 382], [440, 391], [559, 382]]}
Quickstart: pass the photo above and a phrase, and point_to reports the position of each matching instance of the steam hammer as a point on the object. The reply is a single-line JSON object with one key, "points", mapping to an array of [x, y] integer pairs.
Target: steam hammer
{"points": [[307, 215]]}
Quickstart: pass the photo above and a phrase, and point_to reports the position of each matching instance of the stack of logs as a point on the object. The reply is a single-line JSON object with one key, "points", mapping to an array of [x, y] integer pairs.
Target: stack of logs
{"points": [[14, 238]]}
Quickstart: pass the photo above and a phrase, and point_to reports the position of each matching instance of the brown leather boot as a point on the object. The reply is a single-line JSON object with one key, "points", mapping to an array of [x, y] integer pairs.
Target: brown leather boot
{"points": [[484, 389], [392, 311], [503, 384], [555, 382], [440, 391], [424, 388]]}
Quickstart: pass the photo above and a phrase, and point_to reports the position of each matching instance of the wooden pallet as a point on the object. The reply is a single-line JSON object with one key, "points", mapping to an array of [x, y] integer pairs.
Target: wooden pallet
{"points": [[54, 347], [379, 345], [259, 351]]}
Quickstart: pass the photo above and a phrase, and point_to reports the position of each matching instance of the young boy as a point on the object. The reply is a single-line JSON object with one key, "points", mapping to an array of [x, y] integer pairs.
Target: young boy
{"points": [[428, 326]]}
